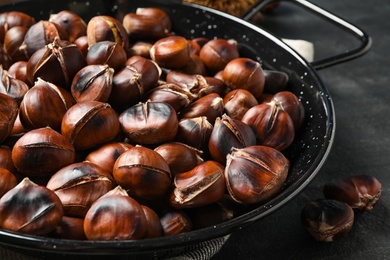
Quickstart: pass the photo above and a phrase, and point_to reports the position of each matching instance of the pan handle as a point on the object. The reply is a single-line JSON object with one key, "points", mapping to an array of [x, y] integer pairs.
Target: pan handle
{"points": [[365, 40]]}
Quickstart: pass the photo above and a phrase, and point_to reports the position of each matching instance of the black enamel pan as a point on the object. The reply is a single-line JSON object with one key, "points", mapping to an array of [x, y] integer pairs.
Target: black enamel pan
{"points": [[307, 154]]}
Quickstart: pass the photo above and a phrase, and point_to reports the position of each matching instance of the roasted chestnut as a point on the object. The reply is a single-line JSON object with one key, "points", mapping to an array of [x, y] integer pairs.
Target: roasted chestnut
{"points": [[44, 105], [144, 27], [149, 123], [12, 87], [90, 124], [143, 173], [78, 185], [244, 73], [272, 125], [6, 159], [180, 157], [275, 81], [153, 226], [30, 208], [194, 132], [18, 70], [73, 24], [70, 228], [171, 52], [115, 216], [156, 13], [237, 102], [7, 181], [361, 192], [228, 133], [42, 152], [8, 114], [11, 19], [140, 48], [201, 186], [13, 39], [327, 220], [255, 174], [175, 222], [107, 53]]}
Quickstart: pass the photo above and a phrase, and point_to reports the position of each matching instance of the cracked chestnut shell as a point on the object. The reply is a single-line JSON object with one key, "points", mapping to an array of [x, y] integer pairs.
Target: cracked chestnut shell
{"points": [[201, 186], [8, 115], [149, 123], [107, 53], [237, 102], [228, 133], [175, 222], [78, 185], [90, 124], [12, 87], [115, 216], [30, 208], [361, 192], [255, 174], [143, 173], [194, 132], [42, 152], [327, 220], [272, 125]]}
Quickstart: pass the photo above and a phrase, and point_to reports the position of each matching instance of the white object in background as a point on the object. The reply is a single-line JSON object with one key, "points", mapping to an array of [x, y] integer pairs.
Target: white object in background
{"points": [[304, 48]]}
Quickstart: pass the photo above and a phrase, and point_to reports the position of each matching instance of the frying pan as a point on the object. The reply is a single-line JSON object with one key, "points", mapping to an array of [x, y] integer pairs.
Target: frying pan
{"points": [[307, 154]]}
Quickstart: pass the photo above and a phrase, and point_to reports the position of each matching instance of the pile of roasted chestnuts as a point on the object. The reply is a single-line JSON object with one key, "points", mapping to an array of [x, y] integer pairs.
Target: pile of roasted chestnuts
{"points": [[114, 130], [332, 217]]}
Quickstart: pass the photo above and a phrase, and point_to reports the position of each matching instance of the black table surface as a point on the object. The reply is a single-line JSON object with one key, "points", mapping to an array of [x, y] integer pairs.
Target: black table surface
{"points": [[360, 90]]}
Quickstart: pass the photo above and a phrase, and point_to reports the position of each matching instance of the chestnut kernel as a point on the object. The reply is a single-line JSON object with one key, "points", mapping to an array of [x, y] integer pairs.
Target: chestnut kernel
{"points": [[361, 192], [327, 220]]}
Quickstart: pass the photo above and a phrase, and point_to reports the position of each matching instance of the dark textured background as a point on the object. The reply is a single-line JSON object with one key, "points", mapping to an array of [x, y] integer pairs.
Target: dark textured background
{"points": [[361, 94]]}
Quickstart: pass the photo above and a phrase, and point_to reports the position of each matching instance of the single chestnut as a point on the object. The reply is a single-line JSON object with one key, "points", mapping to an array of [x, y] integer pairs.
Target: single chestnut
{"points": [[149, 123], [73, 24], [57, 62], [82, 44], [175, 222], [157, 13], [107, 53], [141, 27], [180, 157], [70, 228], [193, 83], [194, 132], [8, 114], [30, 208], [327, 220], [12, 87], [78, 185], [90, 124], [13, 39], [42, 152], [143, 173], [228, 133], [6, 159], [275, 81], [18, 70], [237, 102], [244, 73], [153, 226], [194, 66], [255, 174], [171, 52], [203, 185], [43, 105], [361, 192], [217, 53], [106, 155], [115, 216], [92, 83], [7, 181], [272, 125]]}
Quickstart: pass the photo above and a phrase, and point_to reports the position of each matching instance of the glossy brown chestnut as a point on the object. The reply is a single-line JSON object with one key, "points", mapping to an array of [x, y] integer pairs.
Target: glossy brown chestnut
{"points": [[13, 39], [327, 220], [107, 53], [143, 173], [171, 52], [228, 133], [157, 13], [12, 87], [106, 155], [194, 66], [6, 159], [115, 216], [237, 102], [73, 24], [78, 185], [90, 124], [82, 44], [43, 105], [192, 83], [7, 181], [57, 63], [201, 186], [41, 34], [70, 228], [255, 174], [217, 53], [271, 124], [175, 222], [180, 157], [11, 19], [106, 28], [361, 192], [43, 214], [211, 106], [140, 48], [18, 70], [92, 83], [149, 123], [244, 73], [42, 152], [143, 27], [153, 226], [194, 132], [275, 81], [8, 114]]}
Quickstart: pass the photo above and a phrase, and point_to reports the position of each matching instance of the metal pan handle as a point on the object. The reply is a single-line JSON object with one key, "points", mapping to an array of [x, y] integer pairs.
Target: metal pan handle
{"points": [[365, 40]]}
